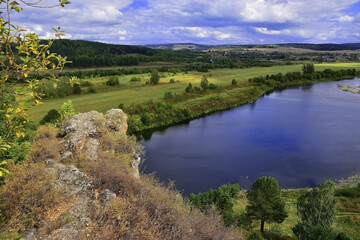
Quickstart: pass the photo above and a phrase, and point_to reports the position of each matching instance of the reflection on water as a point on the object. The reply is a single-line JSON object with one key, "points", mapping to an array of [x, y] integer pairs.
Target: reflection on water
{"points": [[301, 136]]}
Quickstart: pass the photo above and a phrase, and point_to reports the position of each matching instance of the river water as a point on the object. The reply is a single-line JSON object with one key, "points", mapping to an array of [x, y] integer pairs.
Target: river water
{"points": [[301, 136]]}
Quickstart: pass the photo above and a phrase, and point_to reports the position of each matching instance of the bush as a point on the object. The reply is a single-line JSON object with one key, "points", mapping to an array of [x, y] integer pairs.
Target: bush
{"points": [[233, 82], [27, 196], [168, 95], [51, 117], [91, 90], [86, 84], [121, 106], [113, 81], [204, 83], [188, 89], [135, 79], [154, 79], [146, 119], [76, 88], [172, 80], [45, 145], [213, 86], [255, 236], [353, 192]]}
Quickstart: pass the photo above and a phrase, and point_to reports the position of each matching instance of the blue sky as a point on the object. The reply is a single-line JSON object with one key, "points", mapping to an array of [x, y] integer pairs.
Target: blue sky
{"points": [[199, 21]]}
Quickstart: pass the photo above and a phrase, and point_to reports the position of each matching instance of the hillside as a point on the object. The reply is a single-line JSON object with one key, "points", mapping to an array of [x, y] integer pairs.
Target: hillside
{"points": [[83, 182]]}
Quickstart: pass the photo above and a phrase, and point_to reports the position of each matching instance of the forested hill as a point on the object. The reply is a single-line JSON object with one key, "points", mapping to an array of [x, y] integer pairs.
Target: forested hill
{"points": [[95, 54], [72, 48]]}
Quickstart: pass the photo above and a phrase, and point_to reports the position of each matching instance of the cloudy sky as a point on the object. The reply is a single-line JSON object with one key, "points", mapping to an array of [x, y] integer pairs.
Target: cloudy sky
{"points": [[199, 21]]}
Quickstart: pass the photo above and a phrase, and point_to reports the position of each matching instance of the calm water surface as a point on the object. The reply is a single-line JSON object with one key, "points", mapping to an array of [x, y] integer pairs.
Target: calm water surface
{"points": [[300, 136]]}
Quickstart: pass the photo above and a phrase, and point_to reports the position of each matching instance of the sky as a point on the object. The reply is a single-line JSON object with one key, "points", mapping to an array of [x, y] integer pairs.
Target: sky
{"points": [[142, 22]]}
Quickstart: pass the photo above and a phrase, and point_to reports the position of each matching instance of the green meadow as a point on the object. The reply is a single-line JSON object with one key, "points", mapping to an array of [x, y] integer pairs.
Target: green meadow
{"points": [[107, 97]]}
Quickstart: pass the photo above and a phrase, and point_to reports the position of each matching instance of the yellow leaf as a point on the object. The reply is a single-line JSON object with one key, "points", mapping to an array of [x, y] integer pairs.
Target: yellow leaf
{"points": [[18, 110], [1, 173], [20, 134], [9, 110], [7, 115], [26, 74]]}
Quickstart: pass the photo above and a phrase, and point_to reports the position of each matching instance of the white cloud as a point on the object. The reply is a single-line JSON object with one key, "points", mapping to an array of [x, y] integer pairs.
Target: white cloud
{"points": [[220, 21], [346, 18]]}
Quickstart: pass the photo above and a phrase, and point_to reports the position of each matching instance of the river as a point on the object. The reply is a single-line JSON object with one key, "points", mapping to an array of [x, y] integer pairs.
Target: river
{"points": [[301, 136]]}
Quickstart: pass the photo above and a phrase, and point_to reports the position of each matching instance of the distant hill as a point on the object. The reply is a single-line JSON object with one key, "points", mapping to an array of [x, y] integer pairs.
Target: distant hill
{"points": [[316, 47], [323, 47], [182, 46]]}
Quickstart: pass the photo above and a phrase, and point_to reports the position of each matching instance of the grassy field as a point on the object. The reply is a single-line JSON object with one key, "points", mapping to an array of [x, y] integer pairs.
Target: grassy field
{"points": [[347, 220], [127, 93]]}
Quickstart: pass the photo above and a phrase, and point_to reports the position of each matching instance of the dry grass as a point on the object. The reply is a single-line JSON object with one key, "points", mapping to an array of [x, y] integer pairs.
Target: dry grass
{"points": [[45, 146]]}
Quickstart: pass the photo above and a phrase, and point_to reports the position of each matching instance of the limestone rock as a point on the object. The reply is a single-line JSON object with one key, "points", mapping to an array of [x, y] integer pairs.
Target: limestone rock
{"points": [[82, 130], [116, 121]]}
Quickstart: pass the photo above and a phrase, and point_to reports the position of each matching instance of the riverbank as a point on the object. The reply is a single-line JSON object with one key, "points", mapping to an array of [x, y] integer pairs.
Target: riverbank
{"points": [[186, 107]]}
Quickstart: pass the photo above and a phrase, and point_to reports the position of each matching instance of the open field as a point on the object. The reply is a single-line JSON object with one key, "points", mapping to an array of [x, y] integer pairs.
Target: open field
{"points": [[127, 93]]}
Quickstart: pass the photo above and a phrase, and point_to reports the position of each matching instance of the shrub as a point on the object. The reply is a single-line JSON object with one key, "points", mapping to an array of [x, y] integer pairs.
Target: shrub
{"points": [[27, 196], [353, 192], [76, 88], [188, 89], [86, 84], [91, 90], [135, 79], [213, 86], [172, 80], [67, 110], [204, 83], [233, 82], [168, 95], [146, 119], [255, 236], [121, 106], [51, 117], [154, 79], [45, 145], [113, 81]]}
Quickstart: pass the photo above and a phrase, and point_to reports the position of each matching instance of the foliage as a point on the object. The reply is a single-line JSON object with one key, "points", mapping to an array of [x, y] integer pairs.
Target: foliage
{"points": [[76, 88], [222, 199], [154, 79], [353, 192], [51, 117], [265, 202], [188, 89], [135, 79], [21, 54], [317, 210], [113, 81], [233, 82], [204, 83], [255, 236], [67, 110], [213, 86], [308, 68]]}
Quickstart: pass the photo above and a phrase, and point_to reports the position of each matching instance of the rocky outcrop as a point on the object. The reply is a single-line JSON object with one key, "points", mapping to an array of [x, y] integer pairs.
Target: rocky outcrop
{"points": [[82, 130], [80, 134], [78, 187]]}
